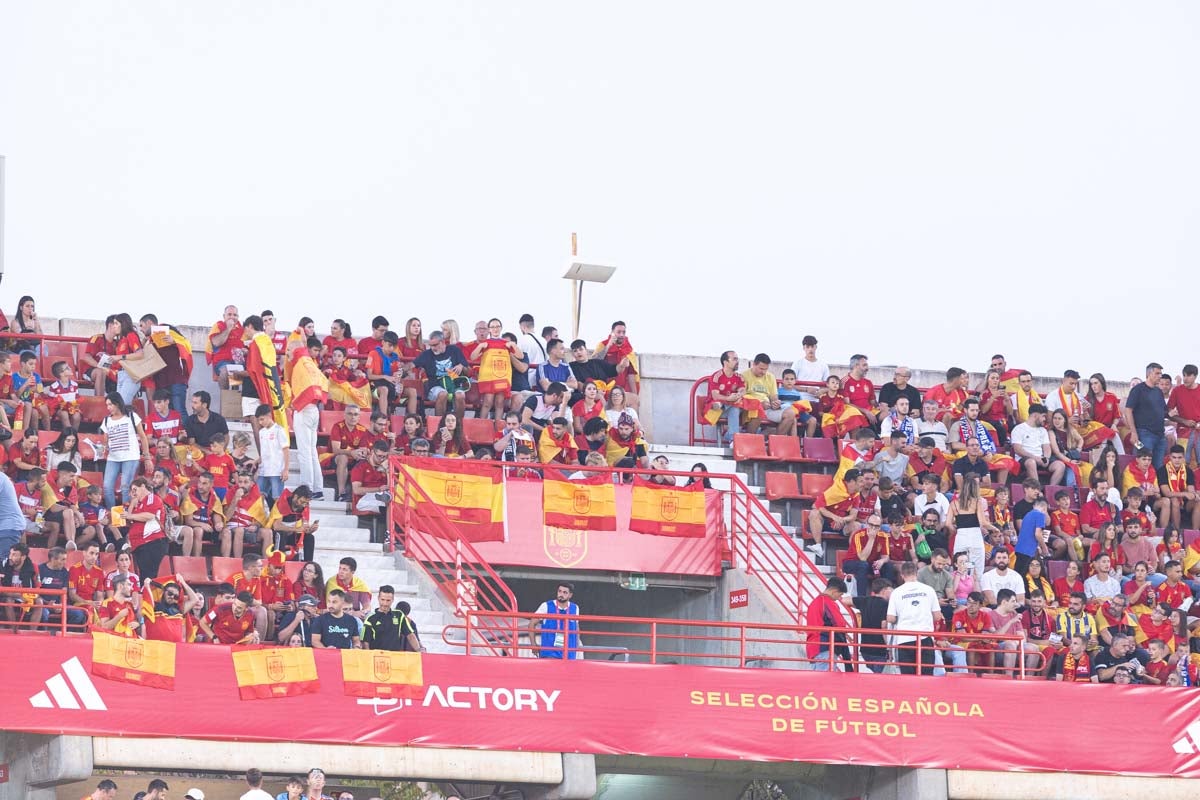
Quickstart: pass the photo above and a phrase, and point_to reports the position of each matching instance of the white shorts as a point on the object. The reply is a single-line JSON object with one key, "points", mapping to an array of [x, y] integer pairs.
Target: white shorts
{"points": [[250, 405], [774, 414]]}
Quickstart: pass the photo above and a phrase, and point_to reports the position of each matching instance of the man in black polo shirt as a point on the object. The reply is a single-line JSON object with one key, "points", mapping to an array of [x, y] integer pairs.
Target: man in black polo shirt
{"points": [[972, 464], [873, 609], [202, 424], [389, 629]]}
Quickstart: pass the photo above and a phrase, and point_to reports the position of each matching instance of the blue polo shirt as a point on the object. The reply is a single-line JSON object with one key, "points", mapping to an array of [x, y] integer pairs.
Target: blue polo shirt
{"points": [[1027, 540], [1149, 408]]}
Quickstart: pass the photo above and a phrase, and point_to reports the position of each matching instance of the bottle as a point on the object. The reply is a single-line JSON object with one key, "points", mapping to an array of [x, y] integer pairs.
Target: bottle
{"points": [[1185, 679]]}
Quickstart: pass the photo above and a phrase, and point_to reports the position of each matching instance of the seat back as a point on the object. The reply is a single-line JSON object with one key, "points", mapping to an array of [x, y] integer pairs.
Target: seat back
{"points": [[786, 448], [782, 486], [814, 483], [479, 431], [823, 451], [223, 567], [749, 447], [194, 569]]}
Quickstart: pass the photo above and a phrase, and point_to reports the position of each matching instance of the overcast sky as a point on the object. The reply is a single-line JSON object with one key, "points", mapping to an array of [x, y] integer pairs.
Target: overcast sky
{"points": [[923, 182]]}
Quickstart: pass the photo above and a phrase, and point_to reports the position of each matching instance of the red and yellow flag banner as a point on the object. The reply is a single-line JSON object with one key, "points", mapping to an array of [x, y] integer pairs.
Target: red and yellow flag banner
{"points": [[667, 510], [263, 672], [495, 368], [382, 673], [143, 662], [589, 504], [470, 495]]}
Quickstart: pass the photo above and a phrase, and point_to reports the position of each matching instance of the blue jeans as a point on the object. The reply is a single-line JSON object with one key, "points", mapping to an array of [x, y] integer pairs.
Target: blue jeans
{"points": [[127, 470], [7, 539], [820, 662], [271, 488], [179, 398], [1156, 443], [733, 417], [958, 660]]}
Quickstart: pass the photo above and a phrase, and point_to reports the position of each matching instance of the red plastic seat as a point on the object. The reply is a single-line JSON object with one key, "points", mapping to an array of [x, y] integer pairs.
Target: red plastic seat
{"points": [[822, 451], [813, 484], [431, 425], [479, 431], [223, 567], [37, 555], [1056, 569], [786, 449], [782, 486], [751, 447], [293, 569], [194, 569], [328, 420], [92, 409], [108, 562]]}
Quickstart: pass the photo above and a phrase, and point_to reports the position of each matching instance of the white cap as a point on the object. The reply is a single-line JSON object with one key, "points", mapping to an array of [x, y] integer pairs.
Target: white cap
{"points": [[194, 794]]}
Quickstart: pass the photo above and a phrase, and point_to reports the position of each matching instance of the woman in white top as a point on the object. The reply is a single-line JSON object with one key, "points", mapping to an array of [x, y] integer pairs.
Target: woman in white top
{"points": [[64, 448], [127, 445], [967, 513], [617, 407]]}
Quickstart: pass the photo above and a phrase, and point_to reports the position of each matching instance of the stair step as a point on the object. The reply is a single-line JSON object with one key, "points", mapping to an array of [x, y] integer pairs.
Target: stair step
{"points": [[330, 519], [375, 562]]}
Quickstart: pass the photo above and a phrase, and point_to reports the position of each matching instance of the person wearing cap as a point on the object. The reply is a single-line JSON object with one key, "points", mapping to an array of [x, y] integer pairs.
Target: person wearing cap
{"points": [[105, 790], [299, 621], [1031, 446], [196, 794], [275, 588]]}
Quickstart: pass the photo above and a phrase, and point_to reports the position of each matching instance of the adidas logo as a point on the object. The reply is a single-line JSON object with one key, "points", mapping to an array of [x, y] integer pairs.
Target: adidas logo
{"points": [[73, 676], [1190, 743]]}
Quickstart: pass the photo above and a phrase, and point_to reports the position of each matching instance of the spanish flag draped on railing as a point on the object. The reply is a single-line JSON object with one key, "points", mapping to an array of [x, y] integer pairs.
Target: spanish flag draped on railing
{"points": [[495, 367], [668, 510], [382, 673], [263, 672], [470, 494], [843, 418], [262, 368], [588, 504], [143, 662]]}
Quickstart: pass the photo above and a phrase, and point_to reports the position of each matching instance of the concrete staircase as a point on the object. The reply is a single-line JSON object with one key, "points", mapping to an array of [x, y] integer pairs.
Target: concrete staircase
{"points": [[340, 536]]}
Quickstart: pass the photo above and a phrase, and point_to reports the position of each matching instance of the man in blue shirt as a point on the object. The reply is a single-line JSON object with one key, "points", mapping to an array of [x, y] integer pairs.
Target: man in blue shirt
{"points": [[1145, 412], [12, 521], [1031, 542]]}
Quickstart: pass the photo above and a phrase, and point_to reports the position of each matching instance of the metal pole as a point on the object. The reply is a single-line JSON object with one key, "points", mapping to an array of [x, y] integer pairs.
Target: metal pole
{"points": [[575, 290]]}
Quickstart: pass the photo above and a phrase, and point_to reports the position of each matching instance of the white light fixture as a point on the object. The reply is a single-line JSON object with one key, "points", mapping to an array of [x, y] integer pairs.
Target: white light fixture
{"points": [[580, 273]]}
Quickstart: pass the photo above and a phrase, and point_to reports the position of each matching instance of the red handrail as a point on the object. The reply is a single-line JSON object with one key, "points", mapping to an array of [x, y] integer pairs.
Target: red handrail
{"points": [[24, 602], [46, 358], [436, 543], [736, 638]]}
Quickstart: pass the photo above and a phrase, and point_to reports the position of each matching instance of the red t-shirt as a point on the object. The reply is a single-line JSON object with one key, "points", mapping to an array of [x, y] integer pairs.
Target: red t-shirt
{"points": [[1162, 631], [965, 623], [367, 345], [349, 439], [841, 509], [822, 612], [878, 549], [86, 582], [858, 392], [226, 628], [1148, 598], [128, 626], [1067, 521], [725, 385], [349, 345], [97, 345], [1095, 514], [233, 342], [241, 583], [169, 426], [35, 456], [1063, 589], [150, 504], [1186, 403], [366, 474], [221, 467], [1159, 670], [947, 400], [864, 505], [1106, 409], [1175, 595], [276, 589]]}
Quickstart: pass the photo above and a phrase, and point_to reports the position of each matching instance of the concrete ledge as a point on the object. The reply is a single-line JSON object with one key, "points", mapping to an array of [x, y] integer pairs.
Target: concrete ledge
{"points": [[352, 761], [977, 785]]}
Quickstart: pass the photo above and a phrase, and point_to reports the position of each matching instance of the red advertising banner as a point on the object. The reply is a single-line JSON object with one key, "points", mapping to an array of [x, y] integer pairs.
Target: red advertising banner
{"points": [[532, 543], [612, 708]]}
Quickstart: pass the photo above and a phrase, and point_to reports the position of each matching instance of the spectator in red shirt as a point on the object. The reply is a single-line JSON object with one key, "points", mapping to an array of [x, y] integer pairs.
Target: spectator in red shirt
{"points": [[950, 396], [824, 612], [102, 347], [1097, 511], [726, 390], [147, 519], [857, 387], [1183, 408], [225, 346], [379, 326], [339, 336], [349, 443], [231, 623]]}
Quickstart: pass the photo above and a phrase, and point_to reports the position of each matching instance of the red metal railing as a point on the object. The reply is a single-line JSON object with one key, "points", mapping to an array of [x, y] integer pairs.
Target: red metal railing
{"points": [[21, 610], [434, 541], [54, 348], [732, 644]]}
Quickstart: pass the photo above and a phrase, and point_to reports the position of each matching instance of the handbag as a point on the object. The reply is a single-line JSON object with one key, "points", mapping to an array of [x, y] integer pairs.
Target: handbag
{"points": [[143, 364]]}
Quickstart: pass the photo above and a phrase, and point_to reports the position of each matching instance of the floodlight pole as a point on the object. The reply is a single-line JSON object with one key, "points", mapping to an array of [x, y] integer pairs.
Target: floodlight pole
{"points": [[579, 274]]}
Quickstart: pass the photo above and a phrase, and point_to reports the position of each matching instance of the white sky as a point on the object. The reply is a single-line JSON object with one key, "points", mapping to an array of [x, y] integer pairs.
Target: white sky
{"points": [[924, 182]]}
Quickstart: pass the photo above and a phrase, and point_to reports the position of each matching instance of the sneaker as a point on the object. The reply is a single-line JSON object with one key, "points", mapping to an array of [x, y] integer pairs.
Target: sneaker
{"points": [[341, 497], [318, 496], [126, 548], [110, 548], [817, 551], [71, 546]]}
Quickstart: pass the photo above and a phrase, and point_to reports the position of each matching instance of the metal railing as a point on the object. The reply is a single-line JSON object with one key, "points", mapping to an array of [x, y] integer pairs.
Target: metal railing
{"points": [[739, 644], [22, 610]]}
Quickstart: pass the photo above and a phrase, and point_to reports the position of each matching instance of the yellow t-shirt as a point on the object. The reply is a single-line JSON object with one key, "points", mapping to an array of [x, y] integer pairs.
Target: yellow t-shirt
{"points": [[763, 388]]}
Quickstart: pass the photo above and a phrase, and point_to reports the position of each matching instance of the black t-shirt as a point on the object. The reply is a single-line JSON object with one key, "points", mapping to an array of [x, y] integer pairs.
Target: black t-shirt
{"points": [[1020, 510], [963, 466], [874, 615], [1189, 476], [889, 392], [891, 505], [388, 631], [203, 432], [336, 632], [52, 578], [305, 628], [23, 576], [594, 369], [1149, 408], [437, 367], [1105, 659]]}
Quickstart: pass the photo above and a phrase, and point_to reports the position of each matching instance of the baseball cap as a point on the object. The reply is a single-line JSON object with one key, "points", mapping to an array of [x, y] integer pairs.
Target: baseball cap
{"points": [[194, 794], [306, 600]]}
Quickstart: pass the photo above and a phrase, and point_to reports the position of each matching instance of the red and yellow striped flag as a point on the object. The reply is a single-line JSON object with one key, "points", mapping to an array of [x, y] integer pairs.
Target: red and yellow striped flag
{"points": [[263, 672], [382, 673], [668, 510], [471, 495], [589, 504], [144, 662]]}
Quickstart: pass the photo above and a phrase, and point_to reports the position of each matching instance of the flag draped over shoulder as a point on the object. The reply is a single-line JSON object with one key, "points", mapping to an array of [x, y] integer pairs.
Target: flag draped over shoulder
{"points": [[1095, 434], [589, 504], [161, 626], [842, 419], [308, 384], [262, 367], [350, 393], [470, 494], [668, 510], [495, 368], [143, 662], [550, 449], [382, 673], [264, 672]]}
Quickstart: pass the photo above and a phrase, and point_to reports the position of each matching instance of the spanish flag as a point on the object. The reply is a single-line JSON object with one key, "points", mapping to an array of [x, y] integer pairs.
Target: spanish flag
{"points": [[1024, 401], [250, 510], [562, 450], [1095, 435], [350, 393], [262, 367], [469, 494], [382, 673], [616, 448], [309, 385], [589, 504], [495, 368], [264, 672], [668, 510], [752, 407], [144, 662], [617, 352], [842, 419], [160, 626]]}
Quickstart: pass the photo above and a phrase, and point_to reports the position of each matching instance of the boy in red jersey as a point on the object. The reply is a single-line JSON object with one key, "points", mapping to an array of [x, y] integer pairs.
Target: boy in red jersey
{"points": [[163, 421], [219, 465], [62, 395], [973, 621]]}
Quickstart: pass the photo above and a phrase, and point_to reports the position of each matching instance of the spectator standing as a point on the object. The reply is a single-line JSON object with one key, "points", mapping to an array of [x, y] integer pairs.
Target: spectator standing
{"points": [[873, 611], [557, 638], [809, 369], [105, 790], [127, 446], [390, 628], [254, 779], [12, 521], [1145, 412], [966, 514], [530, 344], [306, 419], [825, 649], [273, 451], [913, 606], [177, 356]]}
